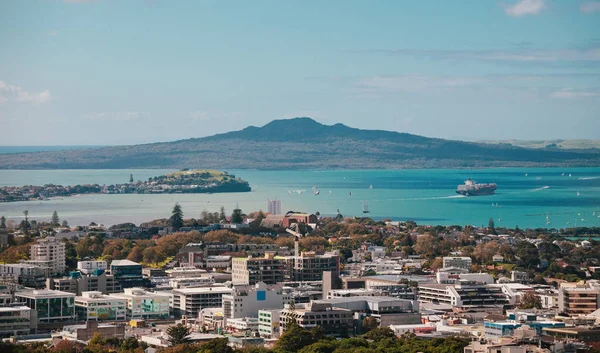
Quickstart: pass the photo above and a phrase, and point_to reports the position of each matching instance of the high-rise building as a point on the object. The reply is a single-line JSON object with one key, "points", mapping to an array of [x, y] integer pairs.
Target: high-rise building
{"points": [[49, 254], [309, 266], [247, 300], [251, 270], [274, 206]]}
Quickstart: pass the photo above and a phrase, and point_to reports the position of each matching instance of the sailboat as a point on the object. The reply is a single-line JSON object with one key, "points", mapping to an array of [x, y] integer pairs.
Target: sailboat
{"points": [[315, 191], [365, 207], [371, 186]]}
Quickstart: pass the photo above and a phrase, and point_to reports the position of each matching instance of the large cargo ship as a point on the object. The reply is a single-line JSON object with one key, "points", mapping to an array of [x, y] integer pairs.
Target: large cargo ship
{"points": [[471, 188]]}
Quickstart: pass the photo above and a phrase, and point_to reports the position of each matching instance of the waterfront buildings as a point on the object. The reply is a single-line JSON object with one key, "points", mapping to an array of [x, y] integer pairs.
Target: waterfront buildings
{"points": [[95, 306], [274, 207], [142, 304]]}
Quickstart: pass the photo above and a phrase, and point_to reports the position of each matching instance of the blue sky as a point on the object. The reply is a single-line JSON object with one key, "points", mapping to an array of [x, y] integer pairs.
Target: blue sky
{"points": [[123, 72]]}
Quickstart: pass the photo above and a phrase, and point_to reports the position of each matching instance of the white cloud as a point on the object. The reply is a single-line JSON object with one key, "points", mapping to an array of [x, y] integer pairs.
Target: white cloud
{"points": [[414, 83], [569, 93], [590, 7], [13, 93], [525, 7]]}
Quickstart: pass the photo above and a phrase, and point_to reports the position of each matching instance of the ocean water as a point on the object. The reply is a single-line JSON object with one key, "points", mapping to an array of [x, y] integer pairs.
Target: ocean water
{"points": [[26, 149], [527, 197]]}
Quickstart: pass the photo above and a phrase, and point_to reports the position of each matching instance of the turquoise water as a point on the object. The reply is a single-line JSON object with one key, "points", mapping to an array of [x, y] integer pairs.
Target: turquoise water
{"points": [[527, 197]]}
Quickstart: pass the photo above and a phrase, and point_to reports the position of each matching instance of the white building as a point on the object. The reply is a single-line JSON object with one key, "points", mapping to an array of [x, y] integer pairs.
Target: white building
{"points": [[274, 206], [48, 253], [31, 276], [94, 306], [142, 304], [218, 261], [268, 322], [89, 266], [464, 262], [242, 324], [189, 301], [16, 320], [247, 300], [448, 278]]}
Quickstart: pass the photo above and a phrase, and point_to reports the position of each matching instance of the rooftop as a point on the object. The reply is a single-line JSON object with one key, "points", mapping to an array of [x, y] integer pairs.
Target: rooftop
{"points": [[123, 263]]}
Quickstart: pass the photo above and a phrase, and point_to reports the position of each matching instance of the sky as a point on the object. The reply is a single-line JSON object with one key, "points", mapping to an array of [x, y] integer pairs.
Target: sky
{"points": [[105, 72]]}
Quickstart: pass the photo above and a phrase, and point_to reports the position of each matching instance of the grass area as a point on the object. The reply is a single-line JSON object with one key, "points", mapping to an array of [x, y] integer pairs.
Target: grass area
{"points": [[160, 264], [208, 174]]}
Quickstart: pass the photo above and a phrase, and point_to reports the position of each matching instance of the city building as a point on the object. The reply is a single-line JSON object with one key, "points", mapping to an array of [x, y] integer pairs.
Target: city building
{"points": [[294, 217], [95, 306], [49, 306], [77, 284], [16, 320], [189, 301], [465, 296], [387, 310], [31, 276], [579, 298], [247, 300], [274, 207], [242, 324], [309, 266], [268, 269], [217, 261], [268, 323], [463, 262], [191, 255], [142, 304], [85, 332], [49, 254], [88, 267], [127, 273], [584, 334], [334, 321]]}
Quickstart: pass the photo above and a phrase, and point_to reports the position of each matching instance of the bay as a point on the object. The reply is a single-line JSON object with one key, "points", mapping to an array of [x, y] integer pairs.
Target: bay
{"points": [[527, 197]]}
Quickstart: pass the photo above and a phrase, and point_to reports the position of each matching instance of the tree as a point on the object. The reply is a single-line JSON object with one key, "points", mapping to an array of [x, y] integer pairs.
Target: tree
{"points": [[529, 300], [153, 255], [2, 222], [294, 338], [527, 254], [380, 333], [176, 220], [222, 215], [55, 219], [25, 225], [257, 220], [131, 178], [135, 255], [217, 345], [492, 226], [369, 323], [236, 216], [178, 334], [65, 223]]}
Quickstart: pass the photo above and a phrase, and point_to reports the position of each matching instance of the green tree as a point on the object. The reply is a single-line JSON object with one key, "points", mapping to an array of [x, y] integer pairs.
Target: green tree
{"points": [[131, 178], [153, 255], [222, 215], [2, 222], [178, 334], [294, 338], [492, 226], [25, 224], [176, 220], [380, 333], [55, 219], [236, 216], [217, 345], [65, 223], [258, 218], [527, 255]]}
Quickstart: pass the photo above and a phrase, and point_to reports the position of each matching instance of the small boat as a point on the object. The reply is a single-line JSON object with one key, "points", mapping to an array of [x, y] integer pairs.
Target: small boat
{"points": [[350, 193], [315, 191], [578, 193], [525, 174], [569, 175], [365, 207], [371, 186], [563, 174]]}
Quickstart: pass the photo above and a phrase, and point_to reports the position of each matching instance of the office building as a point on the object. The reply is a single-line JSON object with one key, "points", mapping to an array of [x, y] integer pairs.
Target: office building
{"points": [[50, 306], [463, 262], [49, 254], [189, 301], [16, 320], [88, 267], [86, 332], [95, 306], [334, 321], [464, 296], [127, 273], [580, 298], [268, 323], [31, 276], [77, 284], [142, 304], [247, 300], [387, 310], [268, 269], [274, 207]]}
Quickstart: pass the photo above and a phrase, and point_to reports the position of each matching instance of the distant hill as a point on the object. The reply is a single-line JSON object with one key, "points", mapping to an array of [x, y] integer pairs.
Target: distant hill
{"points": [[562, 144], [304, 143]]}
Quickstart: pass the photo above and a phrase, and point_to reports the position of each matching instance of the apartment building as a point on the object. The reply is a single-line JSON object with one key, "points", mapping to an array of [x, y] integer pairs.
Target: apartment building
{"points": [[463, 262], [334, 321], [78, 284], [247, 300], [189, 301], [88, 267], [309, 266], [16, 320], [95, 306], [31, 276], [268, 269], [48, 253], [580, 298], [274, 207]]}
